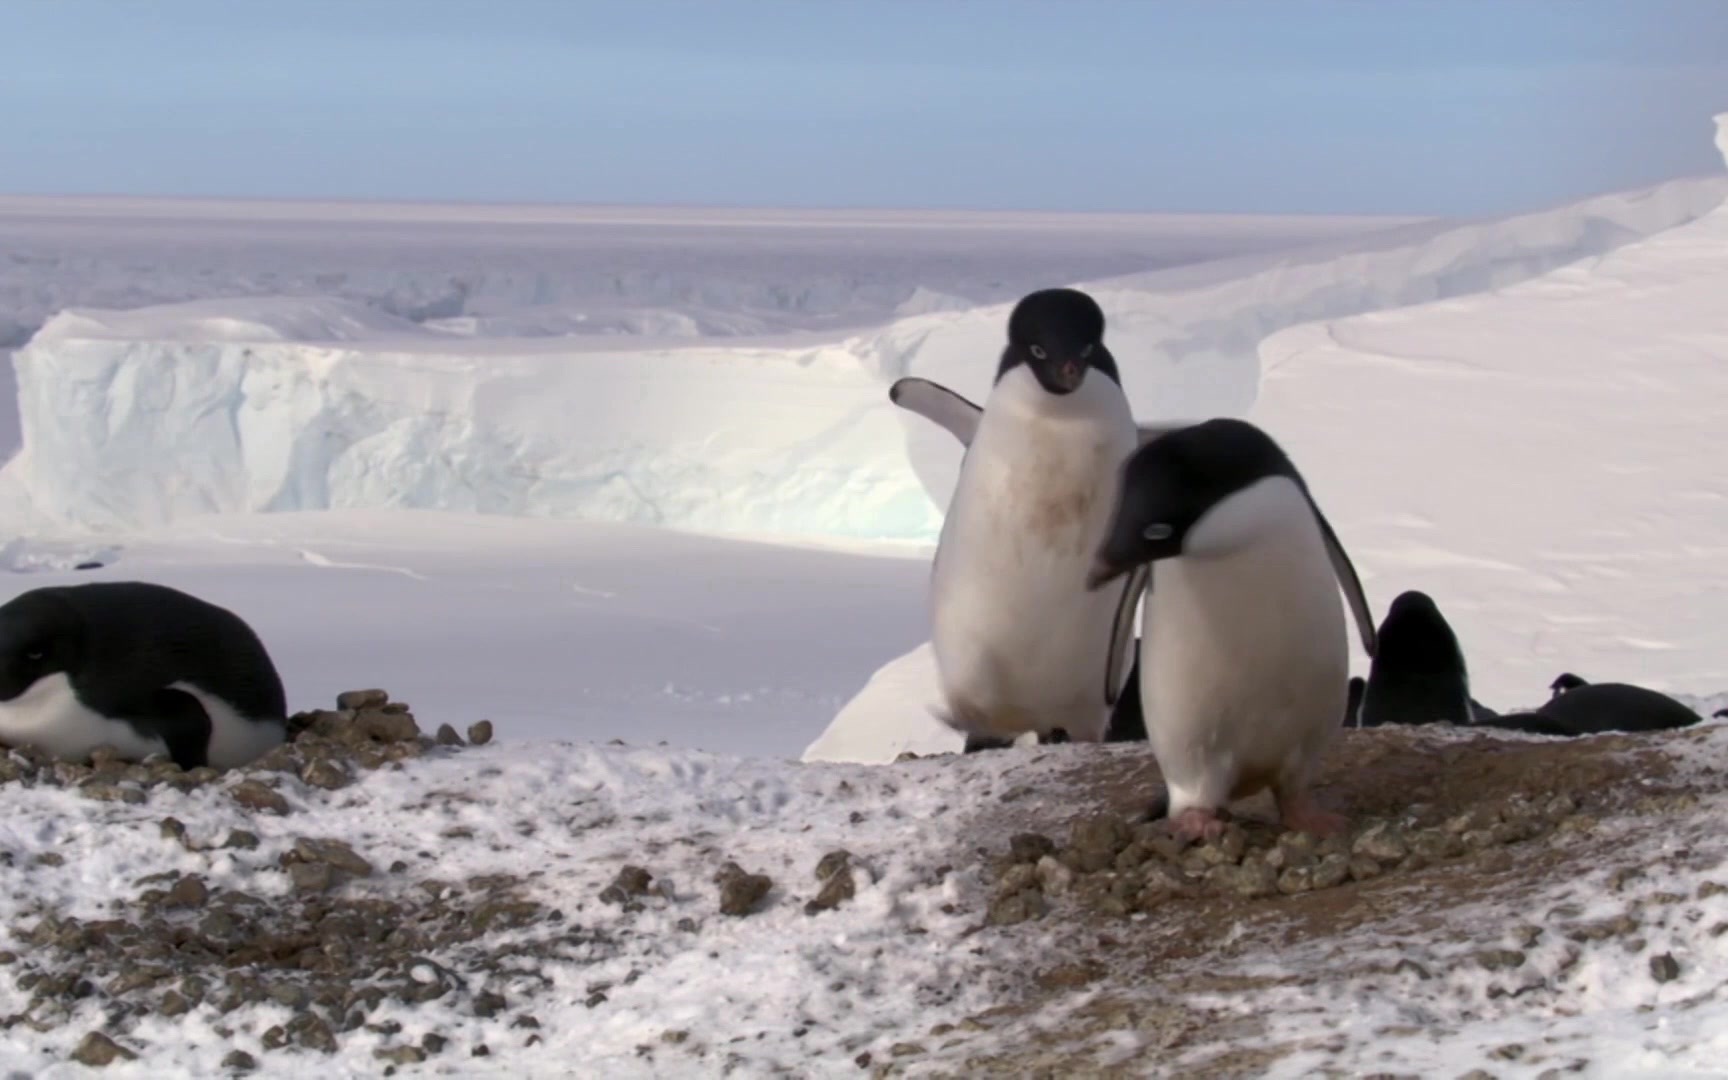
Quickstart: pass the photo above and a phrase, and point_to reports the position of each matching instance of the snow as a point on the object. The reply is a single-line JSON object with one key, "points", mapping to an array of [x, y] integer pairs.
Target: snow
{"points": [[818, 989], [274, 404], [552, 629], [1546, 460]]}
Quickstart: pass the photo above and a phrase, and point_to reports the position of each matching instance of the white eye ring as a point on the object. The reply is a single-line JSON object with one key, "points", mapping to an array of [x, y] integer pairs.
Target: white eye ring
{"points": [[1087, 351], [1038, 352], [33, 654], [1158, 531]]}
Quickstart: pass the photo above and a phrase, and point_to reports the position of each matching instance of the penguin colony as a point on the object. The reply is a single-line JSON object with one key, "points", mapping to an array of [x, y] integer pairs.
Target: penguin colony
{"points": [[1069, 521], [1068, 517]]}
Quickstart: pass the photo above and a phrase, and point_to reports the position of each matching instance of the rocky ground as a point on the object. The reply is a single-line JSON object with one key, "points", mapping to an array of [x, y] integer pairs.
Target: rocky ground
{"points": [[1021, 917]]}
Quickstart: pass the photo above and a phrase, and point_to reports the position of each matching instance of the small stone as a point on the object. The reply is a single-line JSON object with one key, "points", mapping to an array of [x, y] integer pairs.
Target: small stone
{"points": [[240, 1061], [1251, 879], [740, 892], [481, 733], [1095, 840], [256, 795], [832, 863], [312, 877], [480, 1050], [1363, 867], [401, 1055], [311, 1032], [632, 881], [1029, 847], [335, 852], [173, 829], [1384, 842], [288, 994], [1435, 845], [173, 1003], [189, 892], [326, 774], [1475, 819], [1053, 876], [1014, 908], [242, 839], [488, 1004], [98, 1050], [362, 699], [433, 1043], [1332, 871], [837, 888], [1664, 968], [1411, 967], [1501, 959], [447, 736]]}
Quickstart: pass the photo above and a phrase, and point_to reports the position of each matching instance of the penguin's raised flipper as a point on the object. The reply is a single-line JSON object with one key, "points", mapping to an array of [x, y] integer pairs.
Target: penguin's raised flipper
{"points": [[1353, 702], [938, 404], [1348, 581], [1117, 660]]}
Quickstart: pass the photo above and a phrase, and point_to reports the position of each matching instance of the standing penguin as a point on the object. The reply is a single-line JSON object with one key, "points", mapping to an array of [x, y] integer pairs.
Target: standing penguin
{"points": [[1243, 659], [1021, 644], [1418, 675], [144, 668]]}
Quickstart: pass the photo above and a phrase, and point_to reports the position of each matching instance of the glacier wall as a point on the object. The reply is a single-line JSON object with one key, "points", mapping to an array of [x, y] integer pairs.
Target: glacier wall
{"points": [[137, 418]]}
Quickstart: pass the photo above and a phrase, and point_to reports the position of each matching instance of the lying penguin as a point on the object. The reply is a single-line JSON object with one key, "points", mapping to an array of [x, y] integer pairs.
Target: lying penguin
{"points": [[1576, 707], [1021, 645], [143, 668], [1243, 654]]}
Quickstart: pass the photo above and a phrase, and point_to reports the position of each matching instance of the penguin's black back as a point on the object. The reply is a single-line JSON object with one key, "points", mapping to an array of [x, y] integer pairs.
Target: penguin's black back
{"points": [[132, 638], [1593, 708], [1417, 675]]}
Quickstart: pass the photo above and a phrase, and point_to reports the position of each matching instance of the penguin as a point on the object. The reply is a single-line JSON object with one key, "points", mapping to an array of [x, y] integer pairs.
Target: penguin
{"points": [[1418, 675], [1576, 708], [141, 667], [1244, 648], [962, 418], [1021, 645]]}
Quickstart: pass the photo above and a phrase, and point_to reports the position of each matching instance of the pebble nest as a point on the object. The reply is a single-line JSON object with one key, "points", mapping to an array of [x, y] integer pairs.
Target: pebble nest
{"points": [[1117, 867]]}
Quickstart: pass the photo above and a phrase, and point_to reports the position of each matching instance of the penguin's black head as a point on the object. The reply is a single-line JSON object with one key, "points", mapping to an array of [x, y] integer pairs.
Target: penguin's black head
{"points": [[1059, 335], [1199, 490], [1415, 639], [38, 636], [1563, 682]]}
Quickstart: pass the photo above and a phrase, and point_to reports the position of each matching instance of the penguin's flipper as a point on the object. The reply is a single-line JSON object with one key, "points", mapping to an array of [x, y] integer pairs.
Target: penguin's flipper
{"points": [[1118, 660], [1349, 582], [1353, 702], [179, 720], [1128, 718], [939, 405], [1529, 723], [1480, 713]]}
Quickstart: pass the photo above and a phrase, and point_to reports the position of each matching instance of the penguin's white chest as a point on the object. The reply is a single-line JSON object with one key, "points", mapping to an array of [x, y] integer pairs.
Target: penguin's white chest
{"points": [[1020, 643], [1244, 665], [50, 717]]}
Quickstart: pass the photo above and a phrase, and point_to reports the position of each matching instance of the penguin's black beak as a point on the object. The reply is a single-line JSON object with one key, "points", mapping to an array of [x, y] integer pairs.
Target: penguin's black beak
{"points": [[1068, 373]]}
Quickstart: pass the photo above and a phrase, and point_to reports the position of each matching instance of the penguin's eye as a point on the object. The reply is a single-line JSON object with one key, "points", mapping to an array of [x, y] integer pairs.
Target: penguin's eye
{"points": [[1158, 531], [1038, 352], [33, 655], [1087, 351]]}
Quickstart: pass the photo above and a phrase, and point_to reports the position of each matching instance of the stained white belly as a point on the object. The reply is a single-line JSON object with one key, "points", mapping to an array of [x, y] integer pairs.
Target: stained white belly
{"points": [[1244, 667], [1020, 643], [50, 717]]}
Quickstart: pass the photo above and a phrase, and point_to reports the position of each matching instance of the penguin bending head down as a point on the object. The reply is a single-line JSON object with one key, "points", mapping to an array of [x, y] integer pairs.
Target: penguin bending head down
{"points": [[1243, 660], [144, 668], [1021, 644]]}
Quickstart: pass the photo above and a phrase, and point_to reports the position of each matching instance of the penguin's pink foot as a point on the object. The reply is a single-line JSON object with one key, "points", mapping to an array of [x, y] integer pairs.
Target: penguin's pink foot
{"points": [[1197, 825], [1300, 813]]}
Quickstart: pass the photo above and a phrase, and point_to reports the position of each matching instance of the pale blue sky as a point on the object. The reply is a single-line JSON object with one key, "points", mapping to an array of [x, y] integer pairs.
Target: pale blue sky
{"points": [[1421, 106]]}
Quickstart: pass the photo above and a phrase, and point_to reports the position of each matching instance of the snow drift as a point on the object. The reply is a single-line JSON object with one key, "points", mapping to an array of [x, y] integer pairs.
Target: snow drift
{"points": [[142, 417]]}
